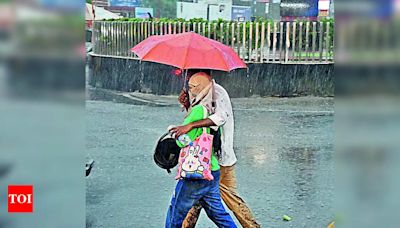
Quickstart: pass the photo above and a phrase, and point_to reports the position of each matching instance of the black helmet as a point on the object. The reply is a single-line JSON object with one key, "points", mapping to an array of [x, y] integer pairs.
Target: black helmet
{"points": [[166, 154]]}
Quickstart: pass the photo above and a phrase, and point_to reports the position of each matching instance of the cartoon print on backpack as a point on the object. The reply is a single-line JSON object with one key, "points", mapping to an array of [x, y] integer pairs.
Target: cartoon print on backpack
{"points": [[195, 159], [191, 166]]}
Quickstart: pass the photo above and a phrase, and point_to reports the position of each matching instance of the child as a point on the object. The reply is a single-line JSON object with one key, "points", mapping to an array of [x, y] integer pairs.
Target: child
{"points": [[189, 191]]}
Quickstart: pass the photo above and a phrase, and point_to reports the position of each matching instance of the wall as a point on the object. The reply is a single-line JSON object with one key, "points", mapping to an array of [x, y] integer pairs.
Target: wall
{"points": [[261, 79]]}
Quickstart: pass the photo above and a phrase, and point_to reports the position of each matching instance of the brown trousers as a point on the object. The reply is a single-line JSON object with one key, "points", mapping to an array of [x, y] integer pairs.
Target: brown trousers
{"points": [[235, 203]]}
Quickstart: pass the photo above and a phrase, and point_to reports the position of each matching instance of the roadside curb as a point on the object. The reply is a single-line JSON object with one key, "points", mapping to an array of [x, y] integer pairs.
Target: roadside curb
{"points": [[134, 98]]}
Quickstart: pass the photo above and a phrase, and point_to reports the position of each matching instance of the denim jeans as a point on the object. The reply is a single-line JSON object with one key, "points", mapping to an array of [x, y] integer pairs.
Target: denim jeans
{"points": [[229, 194], [188, 192]]}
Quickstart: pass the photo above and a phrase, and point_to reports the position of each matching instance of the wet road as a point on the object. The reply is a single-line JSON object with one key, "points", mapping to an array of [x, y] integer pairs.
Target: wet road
{"points": [[285, 162]]}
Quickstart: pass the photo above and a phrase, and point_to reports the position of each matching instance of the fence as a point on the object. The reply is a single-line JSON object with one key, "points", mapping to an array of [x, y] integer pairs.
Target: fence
{"points": [[259, 42]]}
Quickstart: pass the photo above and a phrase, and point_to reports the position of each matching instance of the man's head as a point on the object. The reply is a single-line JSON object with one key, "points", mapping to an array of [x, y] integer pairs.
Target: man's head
{"points": [[198, 82], [185, 96]]}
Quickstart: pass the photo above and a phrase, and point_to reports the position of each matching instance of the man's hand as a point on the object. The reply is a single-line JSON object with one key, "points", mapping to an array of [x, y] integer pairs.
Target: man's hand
{"points": [[180, 130], [184, 99]]}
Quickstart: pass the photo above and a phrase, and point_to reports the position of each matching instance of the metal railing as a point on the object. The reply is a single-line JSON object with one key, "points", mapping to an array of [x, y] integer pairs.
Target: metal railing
{"points": [[281, 42]]}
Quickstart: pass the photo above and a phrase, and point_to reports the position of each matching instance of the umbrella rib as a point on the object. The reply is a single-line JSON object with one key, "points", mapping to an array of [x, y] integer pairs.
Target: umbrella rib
{"points": [[223, 57], [154, 47], [187, 51]]}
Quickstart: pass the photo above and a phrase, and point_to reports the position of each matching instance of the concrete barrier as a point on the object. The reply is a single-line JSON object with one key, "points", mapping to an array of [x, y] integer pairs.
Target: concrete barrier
{"points": [[260, 79]]}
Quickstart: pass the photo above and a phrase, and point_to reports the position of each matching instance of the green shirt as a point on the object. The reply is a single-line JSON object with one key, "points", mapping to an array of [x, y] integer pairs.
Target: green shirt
{"points": [[196, 114]]}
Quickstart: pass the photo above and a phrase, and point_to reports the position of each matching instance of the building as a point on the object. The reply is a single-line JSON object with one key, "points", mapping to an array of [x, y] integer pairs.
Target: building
{"points": [[125, 8], [299, 9], [100, 3], [325, 8], [206, 9], [269, 9]]}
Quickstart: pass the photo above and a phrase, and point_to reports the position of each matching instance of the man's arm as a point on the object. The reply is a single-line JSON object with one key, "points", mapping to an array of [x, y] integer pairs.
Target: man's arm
{"points": [[217, 119], [180, 130], [220, 115]]}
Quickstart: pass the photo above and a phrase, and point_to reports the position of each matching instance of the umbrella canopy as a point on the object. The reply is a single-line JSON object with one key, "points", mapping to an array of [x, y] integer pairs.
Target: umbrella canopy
{"points": [[188, 51]]}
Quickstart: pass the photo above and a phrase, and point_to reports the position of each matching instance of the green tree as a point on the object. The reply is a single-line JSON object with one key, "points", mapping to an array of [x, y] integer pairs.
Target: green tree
{"points": [[161, 8]]}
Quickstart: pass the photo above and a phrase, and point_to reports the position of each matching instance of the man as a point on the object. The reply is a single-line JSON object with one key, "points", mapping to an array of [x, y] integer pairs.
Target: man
{"points": [[205, 192], [223, 118]]}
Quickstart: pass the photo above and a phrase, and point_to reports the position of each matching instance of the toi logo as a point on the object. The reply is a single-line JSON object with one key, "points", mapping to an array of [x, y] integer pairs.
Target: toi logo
{"points": [[20, 198]]}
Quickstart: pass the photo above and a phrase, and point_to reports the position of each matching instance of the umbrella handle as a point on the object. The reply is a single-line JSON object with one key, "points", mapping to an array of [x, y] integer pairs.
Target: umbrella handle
{"points": [[186, 86], [185, 82]]}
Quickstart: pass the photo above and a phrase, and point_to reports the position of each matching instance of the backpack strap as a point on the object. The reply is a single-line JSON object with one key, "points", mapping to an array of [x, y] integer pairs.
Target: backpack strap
{"points": [[205, 115]]}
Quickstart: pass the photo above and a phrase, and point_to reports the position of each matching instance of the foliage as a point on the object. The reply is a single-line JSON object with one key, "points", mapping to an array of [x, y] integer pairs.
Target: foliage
{"points": [[162, 8], [224, 33], [220, 20]]}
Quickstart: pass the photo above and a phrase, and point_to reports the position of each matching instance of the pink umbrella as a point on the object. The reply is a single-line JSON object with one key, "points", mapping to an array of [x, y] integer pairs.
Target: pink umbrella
{"points": [[188, 50]]}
